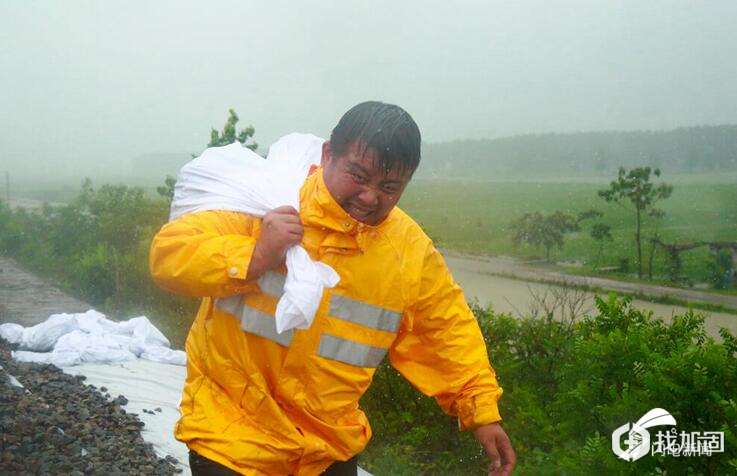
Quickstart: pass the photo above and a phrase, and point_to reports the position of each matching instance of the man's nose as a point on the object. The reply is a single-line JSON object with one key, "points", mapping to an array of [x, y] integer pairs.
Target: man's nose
{"points": [[369, 197]]}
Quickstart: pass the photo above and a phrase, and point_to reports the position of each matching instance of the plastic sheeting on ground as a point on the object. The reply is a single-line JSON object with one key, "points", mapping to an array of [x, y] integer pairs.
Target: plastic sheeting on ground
{"points": [[147, 386], [235, 178], [72, 339]]}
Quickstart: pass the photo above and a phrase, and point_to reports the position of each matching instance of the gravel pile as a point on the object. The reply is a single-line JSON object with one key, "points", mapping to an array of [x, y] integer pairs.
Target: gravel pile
{"points": [[56, 424]]}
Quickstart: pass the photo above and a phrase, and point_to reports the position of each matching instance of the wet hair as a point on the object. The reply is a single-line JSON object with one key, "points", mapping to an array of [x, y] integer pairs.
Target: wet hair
{"points": [[384, 129]]}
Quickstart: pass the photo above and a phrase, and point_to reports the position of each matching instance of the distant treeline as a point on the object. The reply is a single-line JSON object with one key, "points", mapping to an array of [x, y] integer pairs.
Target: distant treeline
{"points": [[703, 149]]}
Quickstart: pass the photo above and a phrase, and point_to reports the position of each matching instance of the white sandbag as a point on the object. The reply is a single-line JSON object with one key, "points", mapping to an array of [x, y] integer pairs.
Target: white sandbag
{"points": [[234, 178], [129, 343], [60, 359], [43, 336], [11, 332], [101, 348], [141, 329], [92, 338], [102, 355], [157, 353], [92, 322]]}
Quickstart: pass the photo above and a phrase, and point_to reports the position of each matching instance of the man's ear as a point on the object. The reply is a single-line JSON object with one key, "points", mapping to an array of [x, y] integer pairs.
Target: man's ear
{"points": [[326, 151]]}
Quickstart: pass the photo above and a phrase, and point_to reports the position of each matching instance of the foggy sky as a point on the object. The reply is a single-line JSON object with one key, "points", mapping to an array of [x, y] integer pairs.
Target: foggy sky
{"points": [[87, 86]]}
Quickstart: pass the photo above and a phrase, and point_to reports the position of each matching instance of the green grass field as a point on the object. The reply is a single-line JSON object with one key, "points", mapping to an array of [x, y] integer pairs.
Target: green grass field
{"points": [[475, 217]]}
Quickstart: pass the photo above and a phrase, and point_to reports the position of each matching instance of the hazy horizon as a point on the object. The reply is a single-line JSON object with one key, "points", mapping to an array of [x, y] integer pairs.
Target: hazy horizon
{"points": [[91, 86]]}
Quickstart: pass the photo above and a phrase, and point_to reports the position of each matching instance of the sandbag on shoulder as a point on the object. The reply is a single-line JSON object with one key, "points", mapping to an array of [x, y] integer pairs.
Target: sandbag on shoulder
{"points": [[234, 178]]}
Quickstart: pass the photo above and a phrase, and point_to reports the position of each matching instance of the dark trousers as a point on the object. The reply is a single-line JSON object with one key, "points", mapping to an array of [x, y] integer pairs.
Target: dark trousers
{"points": [[202, 466]]}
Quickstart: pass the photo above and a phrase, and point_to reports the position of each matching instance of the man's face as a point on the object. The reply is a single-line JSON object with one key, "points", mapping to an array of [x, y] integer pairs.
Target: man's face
{"points": [[360, 185]]}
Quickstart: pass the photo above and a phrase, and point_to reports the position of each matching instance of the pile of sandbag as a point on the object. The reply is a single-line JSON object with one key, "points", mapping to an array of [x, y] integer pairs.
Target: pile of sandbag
{"points": [[71, 339]]}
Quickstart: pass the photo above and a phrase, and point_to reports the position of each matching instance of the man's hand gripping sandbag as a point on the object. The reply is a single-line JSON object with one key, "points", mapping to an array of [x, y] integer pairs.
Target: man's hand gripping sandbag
{"points": [[234, 178]]}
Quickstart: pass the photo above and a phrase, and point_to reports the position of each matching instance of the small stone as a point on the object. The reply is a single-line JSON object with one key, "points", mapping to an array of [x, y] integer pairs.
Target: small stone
{"points": [[62, 426]]}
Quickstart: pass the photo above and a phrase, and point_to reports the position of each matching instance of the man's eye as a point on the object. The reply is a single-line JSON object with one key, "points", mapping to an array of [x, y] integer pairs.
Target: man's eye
{"points": [[390, 189], [357, 177]]}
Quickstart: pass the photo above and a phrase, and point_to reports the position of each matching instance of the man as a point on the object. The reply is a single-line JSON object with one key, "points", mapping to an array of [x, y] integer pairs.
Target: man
{"points": [[258, 402]]}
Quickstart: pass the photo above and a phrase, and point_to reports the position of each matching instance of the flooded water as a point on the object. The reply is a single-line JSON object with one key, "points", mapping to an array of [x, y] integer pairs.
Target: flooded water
{"points": [[517, 297]]}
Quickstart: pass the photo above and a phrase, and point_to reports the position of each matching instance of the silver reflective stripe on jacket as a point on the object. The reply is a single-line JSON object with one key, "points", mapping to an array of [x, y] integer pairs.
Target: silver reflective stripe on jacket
{"points": [[366, 315], [272, 283], [254, 321], [350, 352]]}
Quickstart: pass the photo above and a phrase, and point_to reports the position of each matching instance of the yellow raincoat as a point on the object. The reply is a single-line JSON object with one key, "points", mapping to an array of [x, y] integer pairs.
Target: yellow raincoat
{"points": [[260, 402]]}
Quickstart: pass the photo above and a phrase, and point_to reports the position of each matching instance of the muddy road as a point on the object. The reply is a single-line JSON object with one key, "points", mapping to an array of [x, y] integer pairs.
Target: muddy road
{"points": [[27, 299]]}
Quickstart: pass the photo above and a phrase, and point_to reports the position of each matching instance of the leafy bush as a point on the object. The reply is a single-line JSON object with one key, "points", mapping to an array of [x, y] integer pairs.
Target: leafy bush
{"points": [[566, 390]]}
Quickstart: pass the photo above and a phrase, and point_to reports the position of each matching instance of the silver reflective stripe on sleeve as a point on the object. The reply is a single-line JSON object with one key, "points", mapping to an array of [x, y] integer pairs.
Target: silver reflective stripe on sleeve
{"points": [[367, 315], [272, 283], [350, 352], [253, 320]]}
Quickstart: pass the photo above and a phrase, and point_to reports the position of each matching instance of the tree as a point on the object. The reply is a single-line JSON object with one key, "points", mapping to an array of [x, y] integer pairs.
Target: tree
{"points": [[633, 190], [167, 190], [588, 215], [656, 214], [228, 134], [601, 232], [217, 139], [538, 230]]}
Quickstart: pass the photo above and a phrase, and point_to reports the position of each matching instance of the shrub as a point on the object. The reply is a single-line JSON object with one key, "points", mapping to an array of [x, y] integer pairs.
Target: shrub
{"points": [[566, 390]]}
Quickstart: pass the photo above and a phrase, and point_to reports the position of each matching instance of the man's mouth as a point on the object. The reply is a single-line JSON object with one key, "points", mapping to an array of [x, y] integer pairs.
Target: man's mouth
{"points": [[360, 212]]}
